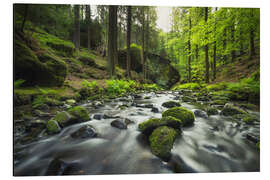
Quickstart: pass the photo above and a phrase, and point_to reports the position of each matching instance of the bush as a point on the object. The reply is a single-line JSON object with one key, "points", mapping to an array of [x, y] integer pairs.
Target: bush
{"points": [[119, 87], [18, 83], [190, 86], [217, 86], [151, 87]]}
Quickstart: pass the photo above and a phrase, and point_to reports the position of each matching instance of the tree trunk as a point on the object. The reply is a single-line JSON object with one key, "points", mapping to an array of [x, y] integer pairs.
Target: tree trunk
{"points": [[197, 52], [25, 16], [206, 51], [215, 51], [233, 41], [147, 42], [251, 36], [189, 52], [88, 14], [143, 19], [128, 39], [77, 26], [112, 40]]}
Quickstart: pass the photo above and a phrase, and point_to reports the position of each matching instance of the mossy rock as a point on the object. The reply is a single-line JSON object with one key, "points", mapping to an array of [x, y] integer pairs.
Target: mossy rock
{"points": [[171, 104], [62, 48], [44, 70], [249, 119], [22, 99], [161, 141], [258, 145], [79, 113], [212, 111], [249, 106], [63, 118], [148, 126], [186, 116], [87, 61], [188, 99], [230, 110], [53, 127], [219, 102]]}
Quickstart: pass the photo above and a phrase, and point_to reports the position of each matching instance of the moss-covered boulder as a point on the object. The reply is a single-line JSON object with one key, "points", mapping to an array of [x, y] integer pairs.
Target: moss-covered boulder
{"points": [[171, 104], [87, 61], [161, 141], [188, 99], [44, 69], [148, 126], [230, 110], [212, 111], [249, 119], [79, 113], [186, 116], [53, 127], [63, 118]]}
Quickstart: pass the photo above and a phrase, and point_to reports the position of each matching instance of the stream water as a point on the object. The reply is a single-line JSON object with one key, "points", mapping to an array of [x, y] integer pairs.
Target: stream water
{"points": [[212, 144]]}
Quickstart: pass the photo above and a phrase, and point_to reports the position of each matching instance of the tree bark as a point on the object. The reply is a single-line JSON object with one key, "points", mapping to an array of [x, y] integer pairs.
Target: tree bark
{"points": [[206, 51], [233, 41], [189, 52], [215, 52], [143, 24], [112, 40], [251, 36], [88, 14], [129, 9], [77, 26]]}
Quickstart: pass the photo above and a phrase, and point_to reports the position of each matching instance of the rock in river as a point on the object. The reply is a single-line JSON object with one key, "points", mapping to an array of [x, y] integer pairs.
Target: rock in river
{"points": [[118, 124]]}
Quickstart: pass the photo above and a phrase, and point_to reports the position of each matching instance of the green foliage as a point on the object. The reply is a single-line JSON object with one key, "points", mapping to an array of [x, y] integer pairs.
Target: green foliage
{"points": [[18, 83], [190, 86], [216, 87], [151, 87], [118, 87]]}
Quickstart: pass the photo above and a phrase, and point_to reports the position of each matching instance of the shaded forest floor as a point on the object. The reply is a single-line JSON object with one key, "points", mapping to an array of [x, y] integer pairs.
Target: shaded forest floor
{"points": [[243, 67]]}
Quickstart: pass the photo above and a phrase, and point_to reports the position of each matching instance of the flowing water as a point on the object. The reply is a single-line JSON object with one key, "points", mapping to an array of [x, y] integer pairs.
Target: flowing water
{"points": [[212, 144]]}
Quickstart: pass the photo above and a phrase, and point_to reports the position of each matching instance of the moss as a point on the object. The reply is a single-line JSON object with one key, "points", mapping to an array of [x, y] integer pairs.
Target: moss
{"points": [[258, 145], [212, 111], [161, 141], [219, 102], [188, 99], [230, 110], [62, 118], [80, 113], [148, 126], [53, 127], [249, 119], [186, 116], [48, 71], [171, 104]]}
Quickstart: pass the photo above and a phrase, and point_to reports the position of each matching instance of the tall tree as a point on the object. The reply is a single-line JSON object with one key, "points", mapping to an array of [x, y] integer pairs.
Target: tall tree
{"points": [[77, 26], [25, 16], [251, 35], [189, 49], [88, 14], [215, 49], [206, 49], [112, 40], [143, 29], [129, 9]]}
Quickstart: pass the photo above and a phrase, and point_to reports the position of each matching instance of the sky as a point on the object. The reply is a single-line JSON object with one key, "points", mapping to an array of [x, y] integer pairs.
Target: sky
{"points": [[164, 18]]}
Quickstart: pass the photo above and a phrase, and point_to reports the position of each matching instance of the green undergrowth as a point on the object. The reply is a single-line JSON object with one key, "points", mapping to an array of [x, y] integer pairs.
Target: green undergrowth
{"points": [[190, 86]]}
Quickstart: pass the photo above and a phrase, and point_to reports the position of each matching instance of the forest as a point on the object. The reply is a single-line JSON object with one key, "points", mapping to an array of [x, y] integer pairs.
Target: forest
{"points": [[107, 89]]}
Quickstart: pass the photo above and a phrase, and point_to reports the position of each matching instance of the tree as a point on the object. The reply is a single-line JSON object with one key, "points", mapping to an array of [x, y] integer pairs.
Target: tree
{"points": [[77, 26], [189, 50], [129, 9], [143, 29], [112, 40], [88, 14], [206, 49], [215, 49]]}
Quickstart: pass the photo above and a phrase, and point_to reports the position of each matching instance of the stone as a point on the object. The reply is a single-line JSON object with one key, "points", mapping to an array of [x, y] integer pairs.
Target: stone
{"points": [[70, 101], [230, 110], [186, 116], [79, 113], [86, 131], [118, 124], [97, 116], [200, 113], [53, 127], [155, 110], [171, 104], [161, 142]]}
